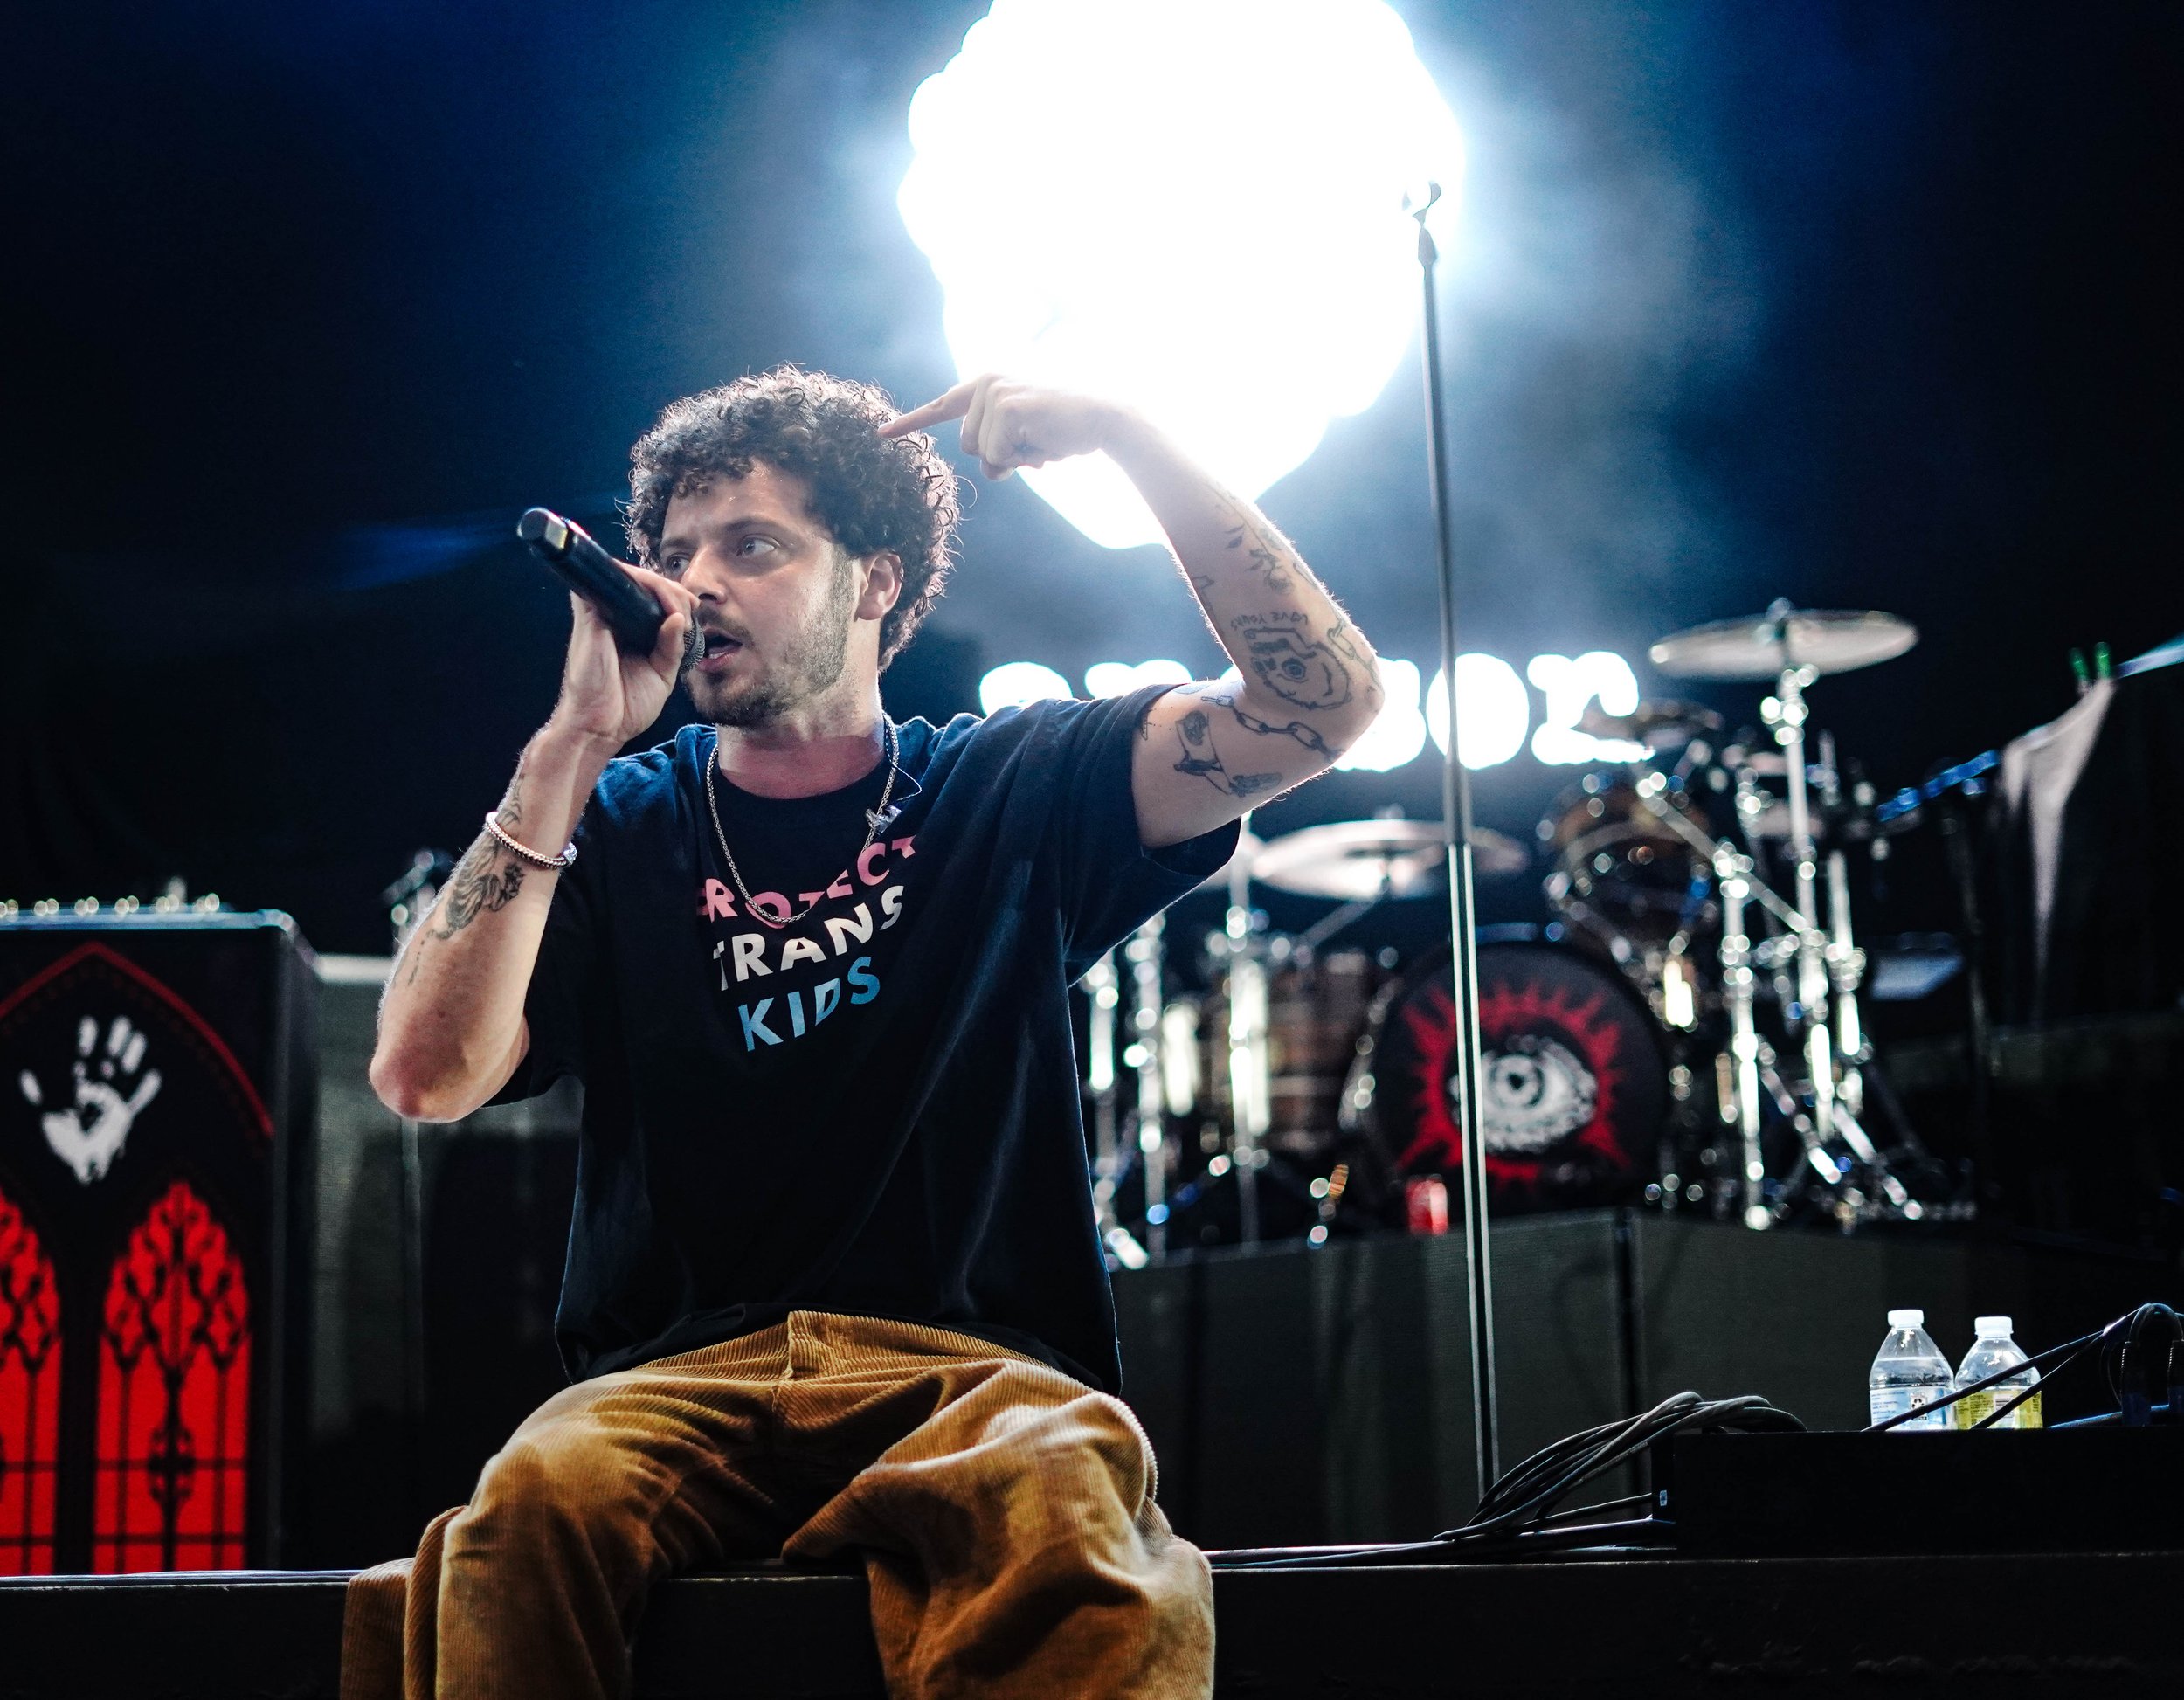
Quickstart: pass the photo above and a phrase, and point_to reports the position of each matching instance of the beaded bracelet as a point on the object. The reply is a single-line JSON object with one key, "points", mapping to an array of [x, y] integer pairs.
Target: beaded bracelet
{"points": [[567, 855]]}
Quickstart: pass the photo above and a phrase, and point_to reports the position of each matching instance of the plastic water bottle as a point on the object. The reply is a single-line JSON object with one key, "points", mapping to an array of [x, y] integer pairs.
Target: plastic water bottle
{"points": [[1909, 1370], [1992, 1352]]}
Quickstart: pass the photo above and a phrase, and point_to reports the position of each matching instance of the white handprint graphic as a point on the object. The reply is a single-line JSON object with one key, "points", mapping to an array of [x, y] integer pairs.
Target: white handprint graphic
{"points": [[89, 1134]]}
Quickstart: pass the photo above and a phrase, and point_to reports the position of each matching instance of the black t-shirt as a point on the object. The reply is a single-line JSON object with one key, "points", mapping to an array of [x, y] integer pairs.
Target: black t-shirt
{"points": [[873, 1110]]}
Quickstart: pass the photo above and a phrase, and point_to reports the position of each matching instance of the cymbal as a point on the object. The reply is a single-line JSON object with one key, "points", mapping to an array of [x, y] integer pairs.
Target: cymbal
{"points": [[1355, 859], [1762, 646], [1662, 720]]}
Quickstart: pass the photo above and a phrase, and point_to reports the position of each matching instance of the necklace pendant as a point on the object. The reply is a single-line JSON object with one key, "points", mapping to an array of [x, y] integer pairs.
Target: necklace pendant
{"points": [[882, 819]]}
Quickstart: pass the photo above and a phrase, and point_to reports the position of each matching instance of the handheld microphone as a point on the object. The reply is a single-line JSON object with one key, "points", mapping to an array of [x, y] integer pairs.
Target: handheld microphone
{"points": [[569, 552]]}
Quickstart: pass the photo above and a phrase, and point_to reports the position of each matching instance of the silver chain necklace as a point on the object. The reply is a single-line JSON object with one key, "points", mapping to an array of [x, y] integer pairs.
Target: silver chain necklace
{"points": [[880, 820]]}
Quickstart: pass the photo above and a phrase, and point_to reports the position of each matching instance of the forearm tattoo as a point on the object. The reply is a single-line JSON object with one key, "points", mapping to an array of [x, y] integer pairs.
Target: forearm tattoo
{"points": [[1261, 553], [487, 878]]}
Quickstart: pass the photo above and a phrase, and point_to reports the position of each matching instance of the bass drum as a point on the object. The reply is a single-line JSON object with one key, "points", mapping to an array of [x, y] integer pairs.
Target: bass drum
{"points": [[1575, 1084]]}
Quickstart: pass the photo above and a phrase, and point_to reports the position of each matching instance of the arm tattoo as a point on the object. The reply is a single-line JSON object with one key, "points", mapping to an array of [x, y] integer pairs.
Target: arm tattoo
{"points": [[477, 885], [484, 880], [1339, 640], [512, 805], [1278, 646], [1195, 733], [487, 879], [1261, 555], [1266, 728], [481, 883], [1299, 671]]}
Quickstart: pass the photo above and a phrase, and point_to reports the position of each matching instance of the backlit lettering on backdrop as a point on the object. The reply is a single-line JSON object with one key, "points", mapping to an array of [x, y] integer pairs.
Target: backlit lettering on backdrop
{"points": [[1495, 709]]}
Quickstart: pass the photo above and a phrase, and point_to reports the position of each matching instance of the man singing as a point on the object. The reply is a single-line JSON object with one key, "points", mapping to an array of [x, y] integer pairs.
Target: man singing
{"points": [[834, 1282]]}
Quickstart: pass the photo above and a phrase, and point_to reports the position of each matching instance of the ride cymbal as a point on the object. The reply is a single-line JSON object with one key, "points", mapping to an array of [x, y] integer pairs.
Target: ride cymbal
{"points": [[1763, 645]]}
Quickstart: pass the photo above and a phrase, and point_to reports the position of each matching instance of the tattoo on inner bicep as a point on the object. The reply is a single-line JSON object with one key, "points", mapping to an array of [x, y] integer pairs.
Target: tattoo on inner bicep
{"points": [[1195, 733], [1296, 731]]}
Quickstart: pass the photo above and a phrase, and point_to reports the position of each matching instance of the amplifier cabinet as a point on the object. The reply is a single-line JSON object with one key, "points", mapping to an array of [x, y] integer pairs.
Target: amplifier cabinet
{"points": [[155, 1113]]}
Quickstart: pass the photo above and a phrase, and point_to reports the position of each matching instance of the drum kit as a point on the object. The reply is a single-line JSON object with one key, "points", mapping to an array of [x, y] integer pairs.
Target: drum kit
{"points": [[1684, 1031]]}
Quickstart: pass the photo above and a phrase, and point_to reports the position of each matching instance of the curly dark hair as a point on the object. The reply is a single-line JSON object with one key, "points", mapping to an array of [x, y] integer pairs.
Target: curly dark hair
{"points": [[871, 492]]}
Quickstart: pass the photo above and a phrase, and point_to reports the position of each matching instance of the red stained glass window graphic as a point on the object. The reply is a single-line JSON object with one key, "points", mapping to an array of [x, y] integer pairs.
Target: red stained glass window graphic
{"points": [[30, 1398], [173, 1397]]}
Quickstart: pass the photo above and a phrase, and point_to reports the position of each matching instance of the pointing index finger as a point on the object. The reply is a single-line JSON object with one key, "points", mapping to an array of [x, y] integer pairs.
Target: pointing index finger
{"points": [[953, 405]]}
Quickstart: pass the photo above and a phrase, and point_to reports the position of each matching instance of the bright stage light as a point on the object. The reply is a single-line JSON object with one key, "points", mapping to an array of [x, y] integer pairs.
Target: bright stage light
{"points": [[1120, 679], [1015, 683], [1399, 732], [1491, 701], [1569, 683], [1194, 206]]}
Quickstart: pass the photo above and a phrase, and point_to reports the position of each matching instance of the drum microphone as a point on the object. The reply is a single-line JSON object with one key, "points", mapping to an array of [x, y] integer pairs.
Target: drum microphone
{"points": [[632, 615]]}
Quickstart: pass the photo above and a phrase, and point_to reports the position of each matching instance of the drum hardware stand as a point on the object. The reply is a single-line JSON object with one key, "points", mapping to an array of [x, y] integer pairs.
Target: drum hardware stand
{"points": [[1455, 808], [1842, 967], [1677, 1005], [1846, 962], [1845, 973], [1787, 715], [1327, 925], [1829, 965], [1845, 969], [1250, 1061], [1753, 1067], [1103, 988], [1734, 872], [1356, 909], [1148, 1129]]}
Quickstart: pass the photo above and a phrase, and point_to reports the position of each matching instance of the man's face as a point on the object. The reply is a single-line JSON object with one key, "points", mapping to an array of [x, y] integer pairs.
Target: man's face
{"points": [[776, 596]]}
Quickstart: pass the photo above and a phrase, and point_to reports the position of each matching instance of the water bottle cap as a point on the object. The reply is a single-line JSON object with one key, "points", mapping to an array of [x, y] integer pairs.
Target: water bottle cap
{"points": [[1992, 1328], [1907, 1319]]}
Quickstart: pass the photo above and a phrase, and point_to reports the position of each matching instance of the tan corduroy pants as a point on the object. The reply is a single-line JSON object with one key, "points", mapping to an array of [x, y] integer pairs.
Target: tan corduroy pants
{"points": [[1004, 1512]]}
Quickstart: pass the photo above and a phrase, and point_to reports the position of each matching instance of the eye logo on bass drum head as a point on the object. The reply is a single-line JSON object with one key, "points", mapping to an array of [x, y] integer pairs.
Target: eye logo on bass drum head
{"points": [[1573, 1084], [1536, 1092]]}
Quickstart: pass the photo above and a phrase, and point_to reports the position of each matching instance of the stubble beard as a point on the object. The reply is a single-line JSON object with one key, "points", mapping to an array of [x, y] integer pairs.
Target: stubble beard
{"points": [[810, 666]]}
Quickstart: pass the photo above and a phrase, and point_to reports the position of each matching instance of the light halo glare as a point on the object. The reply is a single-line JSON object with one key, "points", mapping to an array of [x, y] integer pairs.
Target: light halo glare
{"points": [[1120, 678], [1014, 684], [1192, 206]]}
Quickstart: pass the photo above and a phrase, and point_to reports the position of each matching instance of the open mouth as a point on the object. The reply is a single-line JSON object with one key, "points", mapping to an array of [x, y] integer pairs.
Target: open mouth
{"points": [[719, 648]]}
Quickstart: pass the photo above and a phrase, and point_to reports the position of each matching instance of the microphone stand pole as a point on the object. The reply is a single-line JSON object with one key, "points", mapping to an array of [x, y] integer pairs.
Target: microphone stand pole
{"points": [[1456, 810]]}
